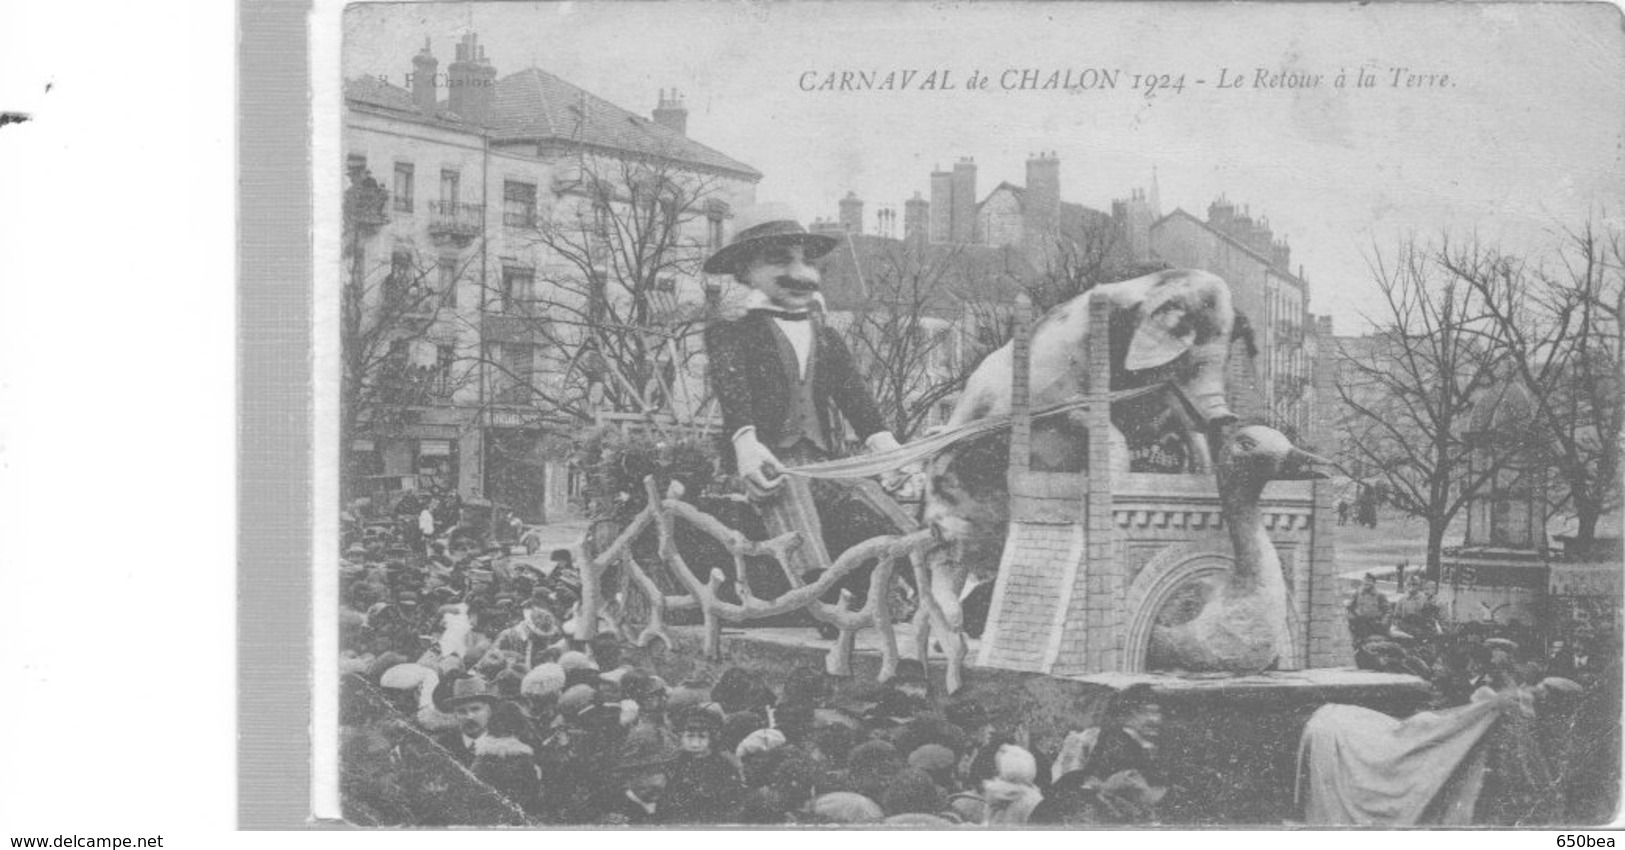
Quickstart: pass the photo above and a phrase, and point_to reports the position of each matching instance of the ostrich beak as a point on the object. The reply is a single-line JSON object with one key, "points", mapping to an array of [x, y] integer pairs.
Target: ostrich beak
{"points": [[1300, 465]]}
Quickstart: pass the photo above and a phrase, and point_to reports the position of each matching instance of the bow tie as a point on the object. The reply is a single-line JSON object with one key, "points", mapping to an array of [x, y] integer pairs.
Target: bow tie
{"points": [[788, 317]]}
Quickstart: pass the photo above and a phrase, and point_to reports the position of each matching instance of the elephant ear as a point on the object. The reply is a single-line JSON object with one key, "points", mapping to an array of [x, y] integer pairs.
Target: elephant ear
{"points": [[1163, 333]]}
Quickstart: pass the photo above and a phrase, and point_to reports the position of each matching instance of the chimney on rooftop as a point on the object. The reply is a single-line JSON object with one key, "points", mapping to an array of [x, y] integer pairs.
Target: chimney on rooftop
{"points": [[942, 206], [424, 66], [1262, 238], [916, 220], [1282, 255], [1041, 206], [852, 213], [886, 223], [671, 112], [964, 200], [471, 82]]}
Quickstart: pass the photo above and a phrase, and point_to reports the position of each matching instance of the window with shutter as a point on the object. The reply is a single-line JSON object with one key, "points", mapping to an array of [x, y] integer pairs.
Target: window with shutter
{"points": [[518, 204], [403, 186], [518, 288], [449, 185], [514, 376], [448, 283]]}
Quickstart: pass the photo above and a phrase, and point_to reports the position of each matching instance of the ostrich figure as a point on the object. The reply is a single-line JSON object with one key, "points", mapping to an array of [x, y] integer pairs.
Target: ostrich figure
{"points": [[1242, 627]]}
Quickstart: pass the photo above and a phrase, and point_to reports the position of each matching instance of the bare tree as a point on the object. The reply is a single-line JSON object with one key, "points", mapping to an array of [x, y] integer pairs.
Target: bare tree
{"points": [[1061, 266], [906, 338], [614, 312], [1559, 325], [1077, 259], [1408, 398], [394, 314]]}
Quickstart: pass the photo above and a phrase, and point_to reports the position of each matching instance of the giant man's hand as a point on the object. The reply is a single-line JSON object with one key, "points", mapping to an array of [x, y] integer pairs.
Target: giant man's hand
{"points": [[759, 469]]}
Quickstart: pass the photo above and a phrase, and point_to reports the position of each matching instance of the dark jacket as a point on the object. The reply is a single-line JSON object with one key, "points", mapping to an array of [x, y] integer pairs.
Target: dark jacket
{"points": [[452, 740], [1117, 751], [573, 775], [509, 765], [752, 388], [702, 790]]}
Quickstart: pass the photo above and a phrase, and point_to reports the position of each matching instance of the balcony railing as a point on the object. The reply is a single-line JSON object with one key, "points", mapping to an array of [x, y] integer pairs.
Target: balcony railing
{"points": [[456, 220]]}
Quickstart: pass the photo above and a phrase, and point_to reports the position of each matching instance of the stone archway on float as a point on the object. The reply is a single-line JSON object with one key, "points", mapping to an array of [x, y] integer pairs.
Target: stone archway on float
{"points": [[1164, 577]]}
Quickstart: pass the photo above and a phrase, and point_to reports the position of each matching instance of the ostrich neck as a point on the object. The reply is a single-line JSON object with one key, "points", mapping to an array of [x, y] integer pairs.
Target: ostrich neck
{"points": [[1238, 500]]}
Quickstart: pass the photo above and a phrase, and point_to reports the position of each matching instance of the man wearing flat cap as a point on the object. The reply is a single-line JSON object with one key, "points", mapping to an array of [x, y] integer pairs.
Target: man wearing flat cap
{"points": [[780, 376]]}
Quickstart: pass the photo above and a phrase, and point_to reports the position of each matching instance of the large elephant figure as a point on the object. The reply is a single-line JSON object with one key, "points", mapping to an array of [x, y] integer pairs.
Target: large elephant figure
{"points": [[1169, 326], [1154, 320]]}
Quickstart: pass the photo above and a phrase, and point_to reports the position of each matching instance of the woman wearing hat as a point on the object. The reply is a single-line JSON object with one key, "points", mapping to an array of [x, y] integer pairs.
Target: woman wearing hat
{"points": [[535, 632]]}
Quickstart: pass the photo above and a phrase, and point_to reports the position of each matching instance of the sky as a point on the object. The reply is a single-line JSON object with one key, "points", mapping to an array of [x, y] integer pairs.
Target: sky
{"points": [[1524, 138]]}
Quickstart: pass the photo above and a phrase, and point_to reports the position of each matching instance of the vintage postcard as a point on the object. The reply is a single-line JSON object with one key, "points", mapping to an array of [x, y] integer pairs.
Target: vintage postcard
{"points": [[968, 415]]}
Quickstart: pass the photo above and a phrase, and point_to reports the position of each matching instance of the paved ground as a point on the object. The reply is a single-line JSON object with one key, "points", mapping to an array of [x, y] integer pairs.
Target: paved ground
{"points": [[561, 535], [1396, 539]]}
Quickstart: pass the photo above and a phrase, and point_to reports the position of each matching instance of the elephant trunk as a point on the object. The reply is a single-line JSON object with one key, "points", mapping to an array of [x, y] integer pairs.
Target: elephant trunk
{"points": [[1206, 391]]}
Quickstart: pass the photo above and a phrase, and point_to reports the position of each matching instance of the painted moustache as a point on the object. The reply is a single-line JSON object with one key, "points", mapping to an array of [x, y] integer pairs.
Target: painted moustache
{"points": [[797, 284]]}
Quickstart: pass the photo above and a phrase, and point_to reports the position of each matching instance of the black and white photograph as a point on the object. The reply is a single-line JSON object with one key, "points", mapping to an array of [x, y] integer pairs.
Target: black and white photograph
{"points": [[965, 416]]}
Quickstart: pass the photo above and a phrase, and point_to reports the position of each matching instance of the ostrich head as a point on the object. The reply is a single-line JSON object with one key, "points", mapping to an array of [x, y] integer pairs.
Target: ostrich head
{"points": [[1257, 454]]}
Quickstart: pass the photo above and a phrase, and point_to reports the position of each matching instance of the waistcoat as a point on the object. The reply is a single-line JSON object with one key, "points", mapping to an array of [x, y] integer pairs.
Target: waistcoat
{"points": [[801, 414]]}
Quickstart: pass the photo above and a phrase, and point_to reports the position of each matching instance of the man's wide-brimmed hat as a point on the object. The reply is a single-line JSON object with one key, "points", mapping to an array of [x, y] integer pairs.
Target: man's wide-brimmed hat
{"points": [[471, 689], [766, 224]]}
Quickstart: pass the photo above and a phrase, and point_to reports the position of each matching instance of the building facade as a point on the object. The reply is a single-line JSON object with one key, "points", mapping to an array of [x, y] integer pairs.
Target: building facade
{"points": [[1030, 233], [499, 237], [1033, 217], [1275, 302]]}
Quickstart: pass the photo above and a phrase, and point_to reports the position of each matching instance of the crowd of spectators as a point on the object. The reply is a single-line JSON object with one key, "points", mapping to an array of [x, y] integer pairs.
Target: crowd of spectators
{"points": [[473, 650], [1572, 750], [1411, 636]]}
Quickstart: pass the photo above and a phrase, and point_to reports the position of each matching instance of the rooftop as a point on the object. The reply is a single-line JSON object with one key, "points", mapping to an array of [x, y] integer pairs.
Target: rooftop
{"points": [[1074, 217], [375, 92], [536, 106], [949, 274], [1239, 245]]}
